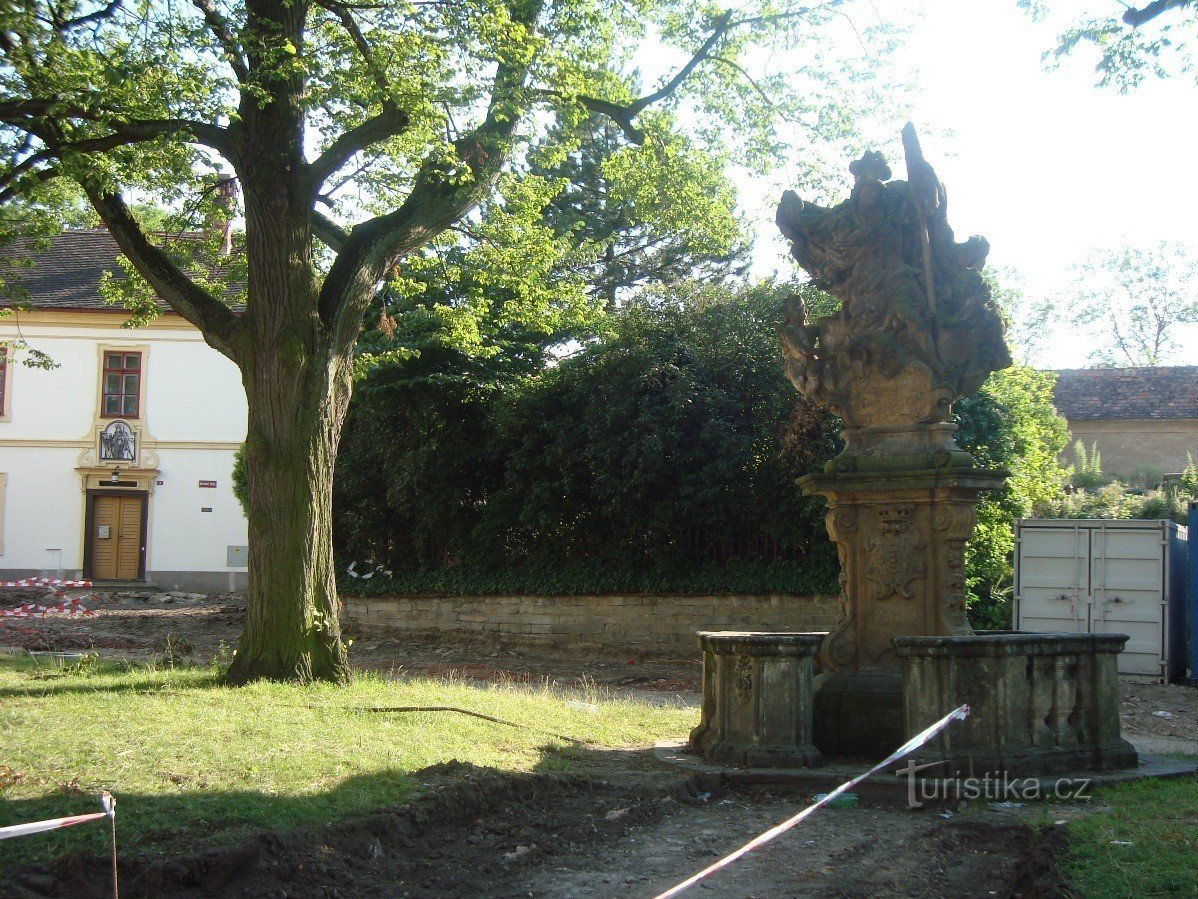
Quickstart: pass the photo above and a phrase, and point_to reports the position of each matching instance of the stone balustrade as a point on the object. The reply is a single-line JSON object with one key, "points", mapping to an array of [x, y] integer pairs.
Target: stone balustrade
{"points": [[1039, 703]]}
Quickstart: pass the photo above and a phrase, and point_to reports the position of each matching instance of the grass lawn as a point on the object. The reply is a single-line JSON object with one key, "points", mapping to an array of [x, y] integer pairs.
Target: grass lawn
{"points": [[1159, 819], [192, 762]]}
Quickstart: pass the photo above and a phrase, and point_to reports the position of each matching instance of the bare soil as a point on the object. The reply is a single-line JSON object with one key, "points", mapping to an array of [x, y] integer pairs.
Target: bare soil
{"points": [[475, 832], [632, 830]]}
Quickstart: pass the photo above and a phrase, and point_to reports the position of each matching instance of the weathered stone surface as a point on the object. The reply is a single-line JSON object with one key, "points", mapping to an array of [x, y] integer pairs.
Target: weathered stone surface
{"points": [[757, 697], [641, 623], [917, 327], [916, 330], [900, 537], [1039, 703]]}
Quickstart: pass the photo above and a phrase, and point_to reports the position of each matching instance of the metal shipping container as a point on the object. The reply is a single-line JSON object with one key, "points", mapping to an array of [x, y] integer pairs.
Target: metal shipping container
{"points": [[1115, 577]]}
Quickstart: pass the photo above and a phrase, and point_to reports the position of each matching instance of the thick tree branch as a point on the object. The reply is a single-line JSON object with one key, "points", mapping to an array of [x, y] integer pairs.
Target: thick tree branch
{"points": [[387, 124], [1137, 17], [219, 26], [33, 114], [10, 189], [350, 24], [624, 114], [435, 202], [104, 12], [328, 232], [214, 319]]}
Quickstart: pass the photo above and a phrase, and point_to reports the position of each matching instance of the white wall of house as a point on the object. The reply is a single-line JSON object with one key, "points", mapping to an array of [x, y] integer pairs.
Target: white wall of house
{"points": [[193, 417]]}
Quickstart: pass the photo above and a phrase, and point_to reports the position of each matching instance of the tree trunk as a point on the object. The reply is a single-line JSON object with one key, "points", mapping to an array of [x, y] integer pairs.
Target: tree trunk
{"points": [[297, 404]]}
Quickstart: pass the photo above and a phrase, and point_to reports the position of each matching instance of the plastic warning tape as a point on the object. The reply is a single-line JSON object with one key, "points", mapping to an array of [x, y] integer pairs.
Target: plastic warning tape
{"points": [[958, 714], [44, 582], [107, 803], [72, 608]]}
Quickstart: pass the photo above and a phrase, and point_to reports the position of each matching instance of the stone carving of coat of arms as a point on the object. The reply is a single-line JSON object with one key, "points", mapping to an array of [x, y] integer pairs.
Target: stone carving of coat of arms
{"points": [[894, 554]]}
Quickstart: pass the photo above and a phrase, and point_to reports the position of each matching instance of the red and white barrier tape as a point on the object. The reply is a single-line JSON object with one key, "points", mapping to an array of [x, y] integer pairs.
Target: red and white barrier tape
{"points": [[69, 606], [72, 608], [107, 803], [44, 582], [958, 714]]}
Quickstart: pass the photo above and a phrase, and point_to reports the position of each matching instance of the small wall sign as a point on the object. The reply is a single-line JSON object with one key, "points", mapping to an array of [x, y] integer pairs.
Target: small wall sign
{"points": [[207, 483], [205, 508]]}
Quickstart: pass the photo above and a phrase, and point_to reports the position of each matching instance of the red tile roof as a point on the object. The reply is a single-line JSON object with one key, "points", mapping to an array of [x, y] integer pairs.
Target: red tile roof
{"points": [[65, 275], [1095, 394]]}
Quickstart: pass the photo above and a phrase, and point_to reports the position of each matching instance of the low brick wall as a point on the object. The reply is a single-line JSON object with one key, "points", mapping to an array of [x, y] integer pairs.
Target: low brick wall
{"points": [[633, 621]]}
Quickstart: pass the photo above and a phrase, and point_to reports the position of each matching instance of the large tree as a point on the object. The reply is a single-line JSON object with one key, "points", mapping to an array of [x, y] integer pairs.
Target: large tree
{"points": [[358, 132]]}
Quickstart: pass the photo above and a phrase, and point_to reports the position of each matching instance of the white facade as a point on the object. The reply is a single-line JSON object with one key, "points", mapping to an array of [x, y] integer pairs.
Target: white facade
{"points": [[58, 481]]}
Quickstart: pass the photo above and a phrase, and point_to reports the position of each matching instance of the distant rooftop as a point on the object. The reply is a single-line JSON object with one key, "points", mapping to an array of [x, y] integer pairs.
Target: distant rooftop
{"points": [[66, 275], [1164, 392]]}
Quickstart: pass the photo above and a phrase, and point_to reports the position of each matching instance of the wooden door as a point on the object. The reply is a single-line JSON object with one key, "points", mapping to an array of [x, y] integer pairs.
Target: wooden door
{"points": [[116, 538]]}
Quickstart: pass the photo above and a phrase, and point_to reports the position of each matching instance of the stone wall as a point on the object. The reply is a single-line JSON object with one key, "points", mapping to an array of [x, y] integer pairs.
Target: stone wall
{"points": [[644, 622], [1139, 451]]}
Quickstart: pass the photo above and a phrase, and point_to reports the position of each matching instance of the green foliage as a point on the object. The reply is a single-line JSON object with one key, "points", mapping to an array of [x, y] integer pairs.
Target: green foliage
{"points": [[661, 457], [1154, 41], [627, 466], [1087, 472], [644, 216], [1009, 424], [543, 576], [401, 142], [240, 479], [1116, 500]]}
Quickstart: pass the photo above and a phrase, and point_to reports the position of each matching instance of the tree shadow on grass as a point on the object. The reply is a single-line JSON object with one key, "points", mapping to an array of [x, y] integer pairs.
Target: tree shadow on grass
{"points": [[51, 684], [452, 829]]}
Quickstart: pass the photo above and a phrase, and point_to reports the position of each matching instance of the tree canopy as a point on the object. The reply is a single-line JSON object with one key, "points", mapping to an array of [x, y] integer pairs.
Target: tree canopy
{"points": [[1132, 42], [1134, 301], [359, 134]]}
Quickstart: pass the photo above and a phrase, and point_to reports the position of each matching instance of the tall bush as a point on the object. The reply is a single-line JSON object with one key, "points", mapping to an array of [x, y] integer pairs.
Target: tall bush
{"points": [[660, 455]]}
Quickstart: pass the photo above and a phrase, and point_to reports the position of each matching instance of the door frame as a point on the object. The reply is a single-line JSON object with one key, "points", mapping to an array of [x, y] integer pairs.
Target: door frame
{"points": [[89, 528]]}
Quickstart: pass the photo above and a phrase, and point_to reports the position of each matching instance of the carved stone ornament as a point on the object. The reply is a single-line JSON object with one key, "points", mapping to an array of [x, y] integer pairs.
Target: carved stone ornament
{"points": [[894, 554], [915, 331], [917, 327], [117, 444], [744, 679]]}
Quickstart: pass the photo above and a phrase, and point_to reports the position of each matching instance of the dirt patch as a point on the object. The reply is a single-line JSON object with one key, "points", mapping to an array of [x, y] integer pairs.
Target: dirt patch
{"points": [[139, 624], [131, 624], [1161, 710], [477, 832], [635, 831]]}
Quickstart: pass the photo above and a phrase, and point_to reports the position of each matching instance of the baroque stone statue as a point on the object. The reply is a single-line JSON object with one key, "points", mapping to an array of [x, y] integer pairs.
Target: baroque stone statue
{"points": [[916, 330], [917, 327]]}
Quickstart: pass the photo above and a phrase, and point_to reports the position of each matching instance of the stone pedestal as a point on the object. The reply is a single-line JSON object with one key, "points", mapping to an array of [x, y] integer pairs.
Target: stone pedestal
{"points": [[757, 699], [900, 522], [1039, 703]]}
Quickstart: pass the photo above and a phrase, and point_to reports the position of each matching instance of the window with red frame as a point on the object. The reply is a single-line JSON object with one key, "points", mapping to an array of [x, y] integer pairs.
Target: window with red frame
{"points": [[122, 385]]}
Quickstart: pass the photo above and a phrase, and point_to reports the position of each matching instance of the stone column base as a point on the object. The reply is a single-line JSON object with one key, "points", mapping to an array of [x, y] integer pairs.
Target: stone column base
{"points": [[858, 715], [757, 700], [1039, 703]]}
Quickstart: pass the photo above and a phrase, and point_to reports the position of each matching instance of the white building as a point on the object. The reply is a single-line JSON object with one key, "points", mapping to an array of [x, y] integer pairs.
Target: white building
{"points": [[116, 464]]}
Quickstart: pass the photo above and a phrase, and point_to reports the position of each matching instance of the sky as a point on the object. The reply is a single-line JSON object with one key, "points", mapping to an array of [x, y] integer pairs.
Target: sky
{"points": [[1045, 165]]}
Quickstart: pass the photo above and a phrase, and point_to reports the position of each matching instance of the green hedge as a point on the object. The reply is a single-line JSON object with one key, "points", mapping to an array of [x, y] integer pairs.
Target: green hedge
{"points": [[597, 578], [658, 459]]}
